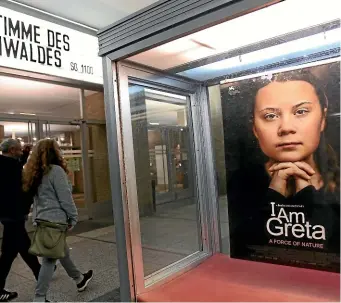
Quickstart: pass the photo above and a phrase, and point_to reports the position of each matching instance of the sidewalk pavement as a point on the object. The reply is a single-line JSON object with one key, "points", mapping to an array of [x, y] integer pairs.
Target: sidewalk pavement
{"points": [[167, 237]]}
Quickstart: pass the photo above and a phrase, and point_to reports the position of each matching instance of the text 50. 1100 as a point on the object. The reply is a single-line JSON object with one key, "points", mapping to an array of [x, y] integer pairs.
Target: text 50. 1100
{"points": [[83, 69]]}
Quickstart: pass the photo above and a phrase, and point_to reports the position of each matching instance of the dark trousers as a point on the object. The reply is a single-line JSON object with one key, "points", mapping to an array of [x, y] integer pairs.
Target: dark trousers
{"points": [[16, 240]]}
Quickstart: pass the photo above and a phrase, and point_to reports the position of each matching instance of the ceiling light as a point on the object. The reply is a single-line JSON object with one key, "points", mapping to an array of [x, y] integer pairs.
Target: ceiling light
{"points": [[254, 27], [27, 114], [157, 92], [154, 123]]}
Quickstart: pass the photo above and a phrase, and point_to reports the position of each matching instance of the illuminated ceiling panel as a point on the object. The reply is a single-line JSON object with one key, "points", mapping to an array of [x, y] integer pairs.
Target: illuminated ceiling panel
{"points": [[279, 19]]}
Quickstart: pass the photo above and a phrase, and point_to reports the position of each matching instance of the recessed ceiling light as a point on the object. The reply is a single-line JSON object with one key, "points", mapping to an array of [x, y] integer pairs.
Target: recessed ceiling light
{"points": [[28, 114]]}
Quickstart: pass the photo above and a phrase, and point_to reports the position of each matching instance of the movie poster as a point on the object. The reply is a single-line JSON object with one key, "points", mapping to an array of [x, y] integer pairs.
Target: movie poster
{"points": [[282, 152]]}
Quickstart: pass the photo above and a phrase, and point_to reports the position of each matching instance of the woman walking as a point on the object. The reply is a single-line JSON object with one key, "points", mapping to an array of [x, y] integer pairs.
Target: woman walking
{"points": [[45, 179]]}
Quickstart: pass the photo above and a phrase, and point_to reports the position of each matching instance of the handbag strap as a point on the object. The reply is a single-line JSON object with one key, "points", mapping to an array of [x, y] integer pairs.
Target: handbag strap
{"points": [[60, 226]]}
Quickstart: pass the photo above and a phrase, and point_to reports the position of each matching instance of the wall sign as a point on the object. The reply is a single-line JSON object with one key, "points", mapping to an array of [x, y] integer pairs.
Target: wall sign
{"points": [[35, 45]]}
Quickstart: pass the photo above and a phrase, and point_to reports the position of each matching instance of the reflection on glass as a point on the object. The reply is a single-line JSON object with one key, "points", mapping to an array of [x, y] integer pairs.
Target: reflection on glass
{"points": [[167, 206], [158, 160], [219, 155], [179, 138]]}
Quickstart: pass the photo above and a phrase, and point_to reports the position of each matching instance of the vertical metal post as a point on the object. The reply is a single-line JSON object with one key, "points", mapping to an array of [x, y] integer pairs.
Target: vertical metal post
{"points": [[115, 182], [33, 133], [49, 128], [40, 131], [85, 158], [82, 105], [29, 132]]}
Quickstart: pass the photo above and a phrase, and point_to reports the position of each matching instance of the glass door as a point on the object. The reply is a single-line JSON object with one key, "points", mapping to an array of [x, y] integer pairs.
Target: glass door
{"points": [[170, 163], [159, 166], [23, 128], [181, 159], [163, 140], [68, 134]]}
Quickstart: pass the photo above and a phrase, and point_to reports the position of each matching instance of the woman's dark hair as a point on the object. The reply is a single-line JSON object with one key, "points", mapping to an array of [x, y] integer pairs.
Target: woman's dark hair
{"points": [[325, 155], [45, 154]]}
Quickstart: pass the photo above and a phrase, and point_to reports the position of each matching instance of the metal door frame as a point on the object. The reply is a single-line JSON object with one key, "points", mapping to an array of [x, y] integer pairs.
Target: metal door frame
{"points": [[205, 189]]}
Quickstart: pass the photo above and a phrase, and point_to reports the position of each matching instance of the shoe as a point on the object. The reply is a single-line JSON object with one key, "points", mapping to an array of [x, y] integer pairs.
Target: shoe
{"points": [[84, 283], [6, 296]]}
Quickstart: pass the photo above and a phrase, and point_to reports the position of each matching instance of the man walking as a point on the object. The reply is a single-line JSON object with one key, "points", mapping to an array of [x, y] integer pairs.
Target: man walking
{"points": [[14, 208]]}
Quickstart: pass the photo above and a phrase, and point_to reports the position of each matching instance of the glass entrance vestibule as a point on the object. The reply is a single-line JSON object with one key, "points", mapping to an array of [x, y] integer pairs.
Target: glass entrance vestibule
{"points": [[224, 150], [209, 155]]}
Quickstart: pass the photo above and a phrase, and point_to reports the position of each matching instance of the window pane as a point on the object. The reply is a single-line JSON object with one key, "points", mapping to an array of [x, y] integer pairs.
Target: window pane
{"points": [[21, 96], [166, 200]]}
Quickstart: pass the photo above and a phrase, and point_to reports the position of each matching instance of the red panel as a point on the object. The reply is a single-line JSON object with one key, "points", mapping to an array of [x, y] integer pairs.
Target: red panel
{"points": [[221, 279]]}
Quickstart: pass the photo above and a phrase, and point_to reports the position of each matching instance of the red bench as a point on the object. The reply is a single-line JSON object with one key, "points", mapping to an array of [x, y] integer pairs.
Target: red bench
{"points": [[222, 279]]}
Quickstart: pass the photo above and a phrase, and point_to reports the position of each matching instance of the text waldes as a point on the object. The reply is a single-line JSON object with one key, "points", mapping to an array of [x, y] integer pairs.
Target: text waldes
{"points": [[293, 224], [22, 41]]}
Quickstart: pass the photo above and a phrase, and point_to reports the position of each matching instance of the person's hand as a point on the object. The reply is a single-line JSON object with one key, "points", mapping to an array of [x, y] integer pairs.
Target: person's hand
{"points": [[301, 183], [281, 172], [70, 227]]}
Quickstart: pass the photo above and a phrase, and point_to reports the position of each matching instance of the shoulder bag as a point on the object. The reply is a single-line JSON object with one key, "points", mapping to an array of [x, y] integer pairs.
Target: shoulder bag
{"points": [[49, 240]]}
